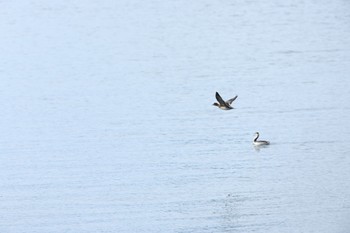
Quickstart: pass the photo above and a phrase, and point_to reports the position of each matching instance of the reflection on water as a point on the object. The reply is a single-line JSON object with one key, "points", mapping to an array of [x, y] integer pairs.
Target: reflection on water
{"points": [[257, 148], [108, 125]]}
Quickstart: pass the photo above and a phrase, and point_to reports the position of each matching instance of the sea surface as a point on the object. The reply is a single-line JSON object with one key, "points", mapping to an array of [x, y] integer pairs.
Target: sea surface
{"points": [[107, 123]]}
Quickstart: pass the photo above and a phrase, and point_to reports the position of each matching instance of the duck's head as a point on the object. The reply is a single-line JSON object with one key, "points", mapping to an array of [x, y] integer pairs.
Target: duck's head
{"points": [[216, 104]]}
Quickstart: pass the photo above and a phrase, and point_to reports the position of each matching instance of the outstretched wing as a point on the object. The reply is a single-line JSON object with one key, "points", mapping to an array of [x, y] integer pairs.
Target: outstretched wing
{"points": [[231, 100], [220, 100]]}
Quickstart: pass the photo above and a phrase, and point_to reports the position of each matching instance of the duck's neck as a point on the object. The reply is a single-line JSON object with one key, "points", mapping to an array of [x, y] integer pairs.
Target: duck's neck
{"points": [[256, 137]]}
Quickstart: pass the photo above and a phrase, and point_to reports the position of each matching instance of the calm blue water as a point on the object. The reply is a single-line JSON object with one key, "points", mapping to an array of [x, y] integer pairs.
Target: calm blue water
{"points": [[107, 123]]}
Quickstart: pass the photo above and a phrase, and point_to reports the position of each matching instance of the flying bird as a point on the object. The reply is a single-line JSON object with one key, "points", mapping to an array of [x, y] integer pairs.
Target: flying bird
{"points": [[224, 105]]}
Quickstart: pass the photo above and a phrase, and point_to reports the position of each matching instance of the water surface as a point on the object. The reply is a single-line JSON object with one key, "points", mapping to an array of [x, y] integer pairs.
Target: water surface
{"points": [[107, 123]]}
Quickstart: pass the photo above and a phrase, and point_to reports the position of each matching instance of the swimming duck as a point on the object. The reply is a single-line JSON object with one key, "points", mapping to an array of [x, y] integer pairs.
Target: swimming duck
{"points": [[224, 105], [257, 142]]}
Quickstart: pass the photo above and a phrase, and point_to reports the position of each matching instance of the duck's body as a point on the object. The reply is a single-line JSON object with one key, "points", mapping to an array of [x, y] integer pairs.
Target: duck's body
{"points": [[257, 142], [224, 105]]}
